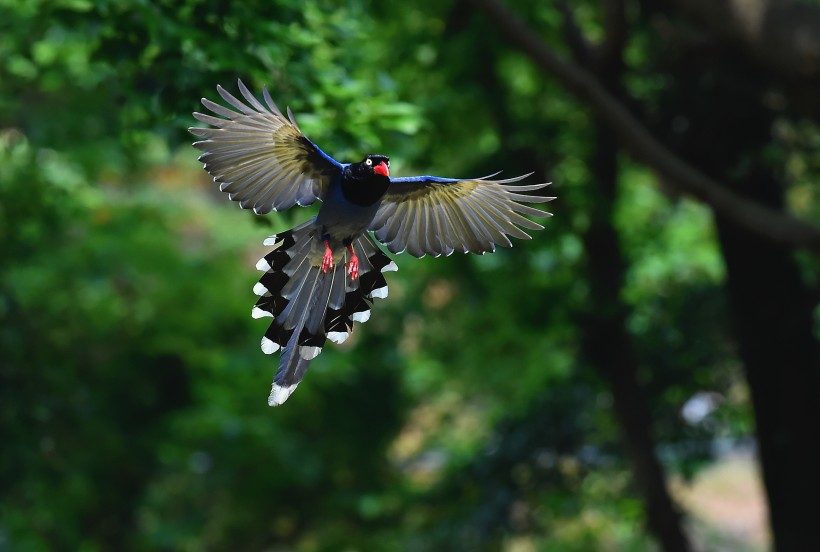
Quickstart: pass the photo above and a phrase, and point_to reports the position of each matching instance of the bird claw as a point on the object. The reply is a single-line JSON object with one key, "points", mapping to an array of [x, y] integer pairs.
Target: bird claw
{"points": [[327, 260], [353, 266]]}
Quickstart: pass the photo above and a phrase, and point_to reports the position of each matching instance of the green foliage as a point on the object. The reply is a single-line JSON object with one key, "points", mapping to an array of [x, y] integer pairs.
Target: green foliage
{"points": [[461, 417]]}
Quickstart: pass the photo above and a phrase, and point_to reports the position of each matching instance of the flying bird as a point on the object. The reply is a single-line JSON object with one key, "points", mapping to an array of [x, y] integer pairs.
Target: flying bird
{"points": [[322, 276]]}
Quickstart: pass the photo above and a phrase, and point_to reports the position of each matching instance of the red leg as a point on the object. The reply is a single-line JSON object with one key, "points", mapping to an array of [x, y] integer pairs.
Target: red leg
{"points": [[352, 264], [327, 260]]}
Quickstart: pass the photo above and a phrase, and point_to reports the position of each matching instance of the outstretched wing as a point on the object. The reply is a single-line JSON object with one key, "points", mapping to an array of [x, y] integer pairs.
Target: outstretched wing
{"points": [[259, 157], [433, 215]]}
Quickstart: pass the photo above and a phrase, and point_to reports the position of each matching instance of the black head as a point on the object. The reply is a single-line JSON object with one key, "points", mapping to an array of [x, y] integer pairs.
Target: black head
{"points": [[372, 165], [366, 182]]}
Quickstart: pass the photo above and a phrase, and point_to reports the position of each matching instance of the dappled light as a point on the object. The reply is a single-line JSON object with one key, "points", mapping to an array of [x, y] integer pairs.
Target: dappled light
{"points": [[642, 374]]}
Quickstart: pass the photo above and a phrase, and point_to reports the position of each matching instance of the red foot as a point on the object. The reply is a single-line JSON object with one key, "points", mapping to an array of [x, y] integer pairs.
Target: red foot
{"points": [[327, 260], [352, 264]]}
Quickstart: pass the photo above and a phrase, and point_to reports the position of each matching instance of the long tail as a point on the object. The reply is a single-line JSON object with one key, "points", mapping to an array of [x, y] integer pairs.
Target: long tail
{"points": [[309, 306]]}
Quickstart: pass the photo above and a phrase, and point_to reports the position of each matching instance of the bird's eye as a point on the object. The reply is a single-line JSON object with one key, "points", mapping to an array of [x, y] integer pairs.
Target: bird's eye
{"points": [[368, 162]]}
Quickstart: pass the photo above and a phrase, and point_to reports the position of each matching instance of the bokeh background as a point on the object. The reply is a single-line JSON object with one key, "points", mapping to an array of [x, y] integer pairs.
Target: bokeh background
{"points": [[642, 375]]}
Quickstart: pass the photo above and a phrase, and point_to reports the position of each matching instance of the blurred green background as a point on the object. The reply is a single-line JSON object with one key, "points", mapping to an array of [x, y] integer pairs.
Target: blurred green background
{"points": [[620, 382]]}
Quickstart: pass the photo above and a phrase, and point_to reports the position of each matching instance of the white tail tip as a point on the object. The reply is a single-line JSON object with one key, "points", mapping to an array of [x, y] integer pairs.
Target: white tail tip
{"points": [[338, 337], [269, 346], [380, 293], [309, 353], [259, 289], [361, 317], [279, 394], [259, 313]]}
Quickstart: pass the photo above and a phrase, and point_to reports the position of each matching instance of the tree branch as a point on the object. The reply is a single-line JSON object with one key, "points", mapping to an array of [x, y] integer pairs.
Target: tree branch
{"points": [[784, 36], [581, 48], [770, 224], [615, 27]]}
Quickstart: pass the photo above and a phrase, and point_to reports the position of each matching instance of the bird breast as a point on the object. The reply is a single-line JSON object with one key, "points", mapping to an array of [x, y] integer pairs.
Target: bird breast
{"points": [[343, 219], [364, 192]]}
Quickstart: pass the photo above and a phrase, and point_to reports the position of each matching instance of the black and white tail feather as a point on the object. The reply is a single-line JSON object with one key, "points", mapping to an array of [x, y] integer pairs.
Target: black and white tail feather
{"points": [[309, 306]]}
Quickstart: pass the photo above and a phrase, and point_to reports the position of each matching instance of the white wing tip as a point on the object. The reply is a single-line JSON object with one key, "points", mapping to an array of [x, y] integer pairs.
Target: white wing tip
{"points": [[270, 240], [390, 267], [279, 394], [263, 265], [269, 346], [259, 313]]}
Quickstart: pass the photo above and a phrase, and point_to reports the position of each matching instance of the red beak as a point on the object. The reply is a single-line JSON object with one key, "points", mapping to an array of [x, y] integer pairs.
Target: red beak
{"points": [[382, 169]]}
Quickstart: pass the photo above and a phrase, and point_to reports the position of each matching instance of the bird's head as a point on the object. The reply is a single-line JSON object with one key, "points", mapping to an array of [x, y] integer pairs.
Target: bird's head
{"points": [[374, 164]]}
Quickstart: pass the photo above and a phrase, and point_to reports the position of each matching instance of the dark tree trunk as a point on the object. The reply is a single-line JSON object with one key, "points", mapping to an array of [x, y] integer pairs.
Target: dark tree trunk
{"points": [[608, 347], [772, 315], [608, 344]]}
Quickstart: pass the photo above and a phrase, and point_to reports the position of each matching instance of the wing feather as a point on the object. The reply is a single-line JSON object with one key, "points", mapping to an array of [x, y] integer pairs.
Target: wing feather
{"points": [[429, 215], [440, 236], [499, 237], [416, 241], [251, 99], [258, 156], [481, 229], [508, 217], [228, 97], [464, 239]]}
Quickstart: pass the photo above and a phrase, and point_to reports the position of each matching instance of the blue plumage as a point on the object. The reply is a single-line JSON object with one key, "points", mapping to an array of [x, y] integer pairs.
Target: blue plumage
{"points": [[323, 275]]}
